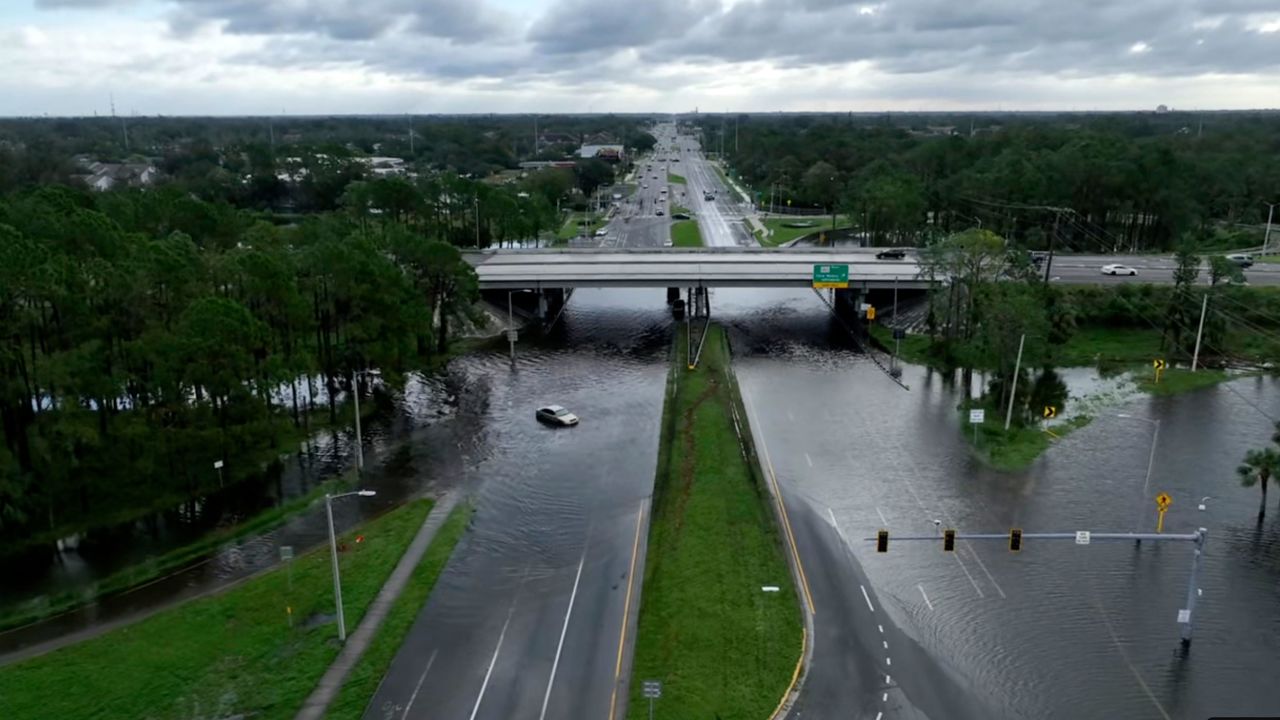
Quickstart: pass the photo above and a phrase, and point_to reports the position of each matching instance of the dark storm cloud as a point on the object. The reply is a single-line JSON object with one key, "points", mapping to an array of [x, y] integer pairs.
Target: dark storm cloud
{"points": [[457, 20], [576, 26], [1086, 37]]}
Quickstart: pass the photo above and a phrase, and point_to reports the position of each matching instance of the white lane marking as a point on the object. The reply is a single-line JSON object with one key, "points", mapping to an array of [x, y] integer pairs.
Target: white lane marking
{"points": [[881, 713], [888, 661], [966, 574], [983, 565], [888, 680], [563, 629], [867, 597], [492, 661], [926, 597], [808, 459], [418, 687], [885, 643], [881, 629], [882, 518], [834, 524]]}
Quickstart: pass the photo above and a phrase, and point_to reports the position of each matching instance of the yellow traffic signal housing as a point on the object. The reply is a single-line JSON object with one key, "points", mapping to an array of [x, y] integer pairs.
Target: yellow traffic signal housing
{"points": [[882, 541], [1015, 540], [949, 540]]}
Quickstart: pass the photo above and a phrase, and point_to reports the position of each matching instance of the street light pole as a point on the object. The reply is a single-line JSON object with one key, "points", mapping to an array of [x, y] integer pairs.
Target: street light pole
{"points": [[1013, 391], [1271, 209], [333, 555], [355, 396], [1195, 358], [1151, 457], [477, 199]]}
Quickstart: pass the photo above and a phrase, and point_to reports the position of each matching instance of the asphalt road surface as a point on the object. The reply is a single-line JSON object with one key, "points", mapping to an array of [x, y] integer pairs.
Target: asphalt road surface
{"points": [[721, 219], [534, 616]]}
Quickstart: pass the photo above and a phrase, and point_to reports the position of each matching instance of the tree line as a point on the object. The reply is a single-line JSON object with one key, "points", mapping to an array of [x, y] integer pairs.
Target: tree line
{"points": [[1131, 182], [145, 334]]}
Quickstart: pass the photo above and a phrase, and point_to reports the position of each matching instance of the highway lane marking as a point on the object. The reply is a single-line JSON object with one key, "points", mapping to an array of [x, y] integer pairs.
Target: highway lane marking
{"points": [[808, 459], [888, 680], [965, 568], [885, 643], [974, 553], [1102, 613], [881, 629], [782, 505], [926, 597], [626, 611], [563, 629], [418, 687], [881, 714], [867, 597], [494, 660], [888, 661], [882, 518]]}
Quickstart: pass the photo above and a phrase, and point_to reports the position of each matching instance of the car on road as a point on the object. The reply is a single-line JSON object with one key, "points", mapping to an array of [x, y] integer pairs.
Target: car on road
{"points": [[891, 254], [680, 216], [1118, 269], [557, 416], [602, 232], [1244, 260]]}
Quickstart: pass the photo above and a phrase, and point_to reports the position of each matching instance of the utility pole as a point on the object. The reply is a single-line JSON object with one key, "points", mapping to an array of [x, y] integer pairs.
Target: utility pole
{"points": [[1271, 209], [897, 343], [1013, 391], [1195, 358], [477, 199], [355, 396], [1053, 235], [411, 136]]}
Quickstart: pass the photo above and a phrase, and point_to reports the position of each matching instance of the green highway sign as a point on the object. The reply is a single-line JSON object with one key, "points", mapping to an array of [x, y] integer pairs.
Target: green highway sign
{"points": [[831, 276]]}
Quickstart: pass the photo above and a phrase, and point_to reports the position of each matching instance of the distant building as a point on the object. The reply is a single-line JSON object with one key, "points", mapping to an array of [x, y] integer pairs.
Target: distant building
{"points": [[608, 153], [105, 176], [540, 164], [1162, 108]]}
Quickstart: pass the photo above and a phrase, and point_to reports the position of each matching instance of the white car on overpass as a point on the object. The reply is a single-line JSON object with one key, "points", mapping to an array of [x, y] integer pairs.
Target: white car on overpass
{"points": [[1118, 269]]}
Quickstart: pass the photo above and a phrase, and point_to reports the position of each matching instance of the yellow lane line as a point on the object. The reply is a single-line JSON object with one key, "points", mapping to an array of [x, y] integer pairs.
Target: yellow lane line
{"points": [[626, 611], [786, 520]]}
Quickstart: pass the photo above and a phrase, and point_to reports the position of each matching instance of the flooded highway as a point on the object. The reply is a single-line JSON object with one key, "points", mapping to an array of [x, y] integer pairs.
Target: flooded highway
{"points": [[528, 618]]}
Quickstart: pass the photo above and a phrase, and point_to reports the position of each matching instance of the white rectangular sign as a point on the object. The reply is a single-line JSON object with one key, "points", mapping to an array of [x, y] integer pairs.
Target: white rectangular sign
{"points": [[977, 416], [1082, 537], [217, 464], [1184, 616]]}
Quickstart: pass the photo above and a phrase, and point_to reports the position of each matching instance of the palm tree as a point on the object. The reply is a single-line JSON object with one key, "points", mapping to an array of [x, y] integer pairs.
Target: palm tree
{"points": [[1259, 466]]}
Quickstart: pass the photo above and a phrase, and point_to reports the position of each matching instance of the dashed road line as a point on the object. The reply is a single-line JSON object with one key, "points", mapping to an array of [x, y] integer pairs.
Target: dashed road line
{"points": [[867, 597], [882, 517], [808, 459], [418, 687]]}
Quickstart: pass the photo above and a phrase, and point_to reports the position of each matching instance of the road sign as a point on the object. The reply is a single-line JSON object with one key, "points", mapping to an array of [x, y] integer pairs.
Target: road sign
{"points": [[1159, 364], [1082, 537], [217, 464], [871, 312], [1163, 501], [653, 688], [831, 276], [977, 417], [512, 335], [1184, 616], [286, 553], [899, 334], [1050, 412]]}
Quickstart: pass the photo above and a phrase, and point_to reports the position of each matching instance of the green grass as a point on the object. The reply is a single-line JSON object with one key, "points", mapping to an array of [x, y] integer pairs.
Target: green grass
{"points": [[781, 235], [675, 179], [676, 209], [572, 229], [1109, 345], [914, 348], [227, 654], [152, 568], [1266, 258], [1178, 380], [721, 646], [725, 179], [1018, 447], [365, 676], [685, 233]]}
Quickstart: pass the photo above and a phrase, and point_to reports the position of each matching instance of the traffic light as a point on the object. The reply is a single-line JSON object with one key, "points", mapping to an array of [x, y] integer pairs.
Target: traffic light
{"points": [[1015, 540], [949, 540], [882, 541]]}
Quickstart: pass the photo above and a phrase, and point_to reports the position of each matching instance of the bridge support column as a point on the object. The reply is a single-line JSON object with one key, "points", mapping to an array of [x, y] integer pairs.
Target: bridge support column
{"points": [[673, 294], [549, 303], [848, 305]]}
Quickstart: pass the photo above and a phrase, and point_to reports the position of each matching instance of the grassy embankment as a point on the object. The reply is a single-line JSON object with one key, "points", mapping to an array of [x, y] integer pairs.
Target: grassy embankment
{"points": [[573, 225], [231, 653], [675, 179], [1019, 446], [365, 676], [732, 187], [721, 646], [685, 233], [781, 234], [169, 562]]}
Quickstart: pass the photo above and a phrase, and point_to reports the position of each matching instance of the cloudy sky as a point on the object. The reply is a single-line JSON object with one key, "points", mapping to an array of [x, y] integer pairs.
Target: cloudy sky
{"points": [[69, 57]]}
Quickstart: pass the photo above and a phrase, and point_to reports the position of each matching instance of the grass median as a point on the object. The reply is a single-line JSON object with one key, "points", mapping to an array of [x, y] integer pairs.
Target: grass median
{"points": [[685, 233], [365, 676], [675, 179], [234, 653], [722, 646]]}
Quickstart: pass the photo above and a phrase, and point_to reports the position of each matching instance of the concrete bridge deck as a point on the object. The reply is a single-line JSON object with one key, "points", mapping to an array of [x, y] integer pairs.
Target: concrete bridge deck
{"points": [[685, 267]]}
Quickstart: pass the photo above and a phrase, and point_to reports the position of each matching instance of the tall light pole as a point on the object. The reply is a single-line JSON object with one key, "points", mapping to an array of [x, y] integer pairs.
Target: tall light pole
{"points": [[355, 396], [1271, 209], [1017, 368], [1151, 457], [477, 199], [333, 554]]}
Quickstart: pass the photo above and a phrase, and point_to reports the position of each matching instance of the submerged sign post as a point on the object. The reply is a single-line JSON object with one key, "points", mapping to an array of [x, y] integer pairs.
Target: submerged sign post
{"points": [[976, 418], [831, 276]]}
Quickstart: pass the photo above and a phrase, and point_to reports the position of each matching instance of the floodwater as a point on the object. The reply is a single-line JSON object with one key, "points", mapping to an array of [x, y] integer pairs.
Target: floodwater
{"points": [[1056, 631]]}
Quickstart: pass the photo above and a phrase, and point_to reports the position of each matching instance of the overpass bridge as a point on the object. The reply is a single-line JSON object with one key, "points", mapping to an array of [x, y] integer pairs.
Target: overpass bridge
{"points": [[562, 269]]}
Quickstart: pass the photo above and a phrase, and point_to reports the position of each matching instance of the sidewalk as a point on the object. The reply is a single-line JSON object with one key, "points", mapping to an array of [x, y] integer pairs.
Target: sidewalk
{"points": [[331, 683]]}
